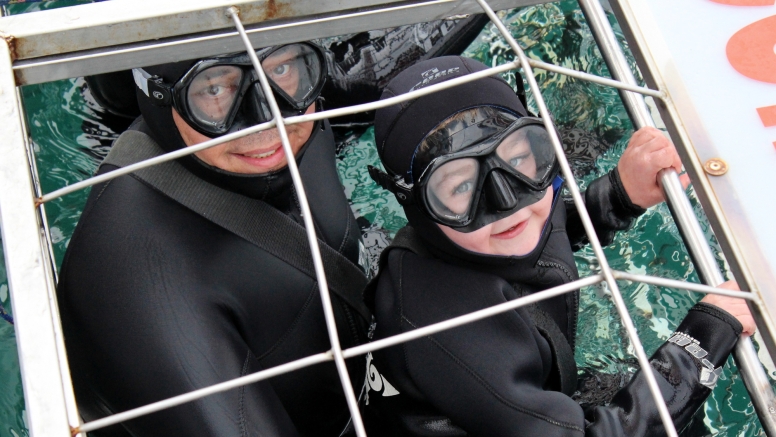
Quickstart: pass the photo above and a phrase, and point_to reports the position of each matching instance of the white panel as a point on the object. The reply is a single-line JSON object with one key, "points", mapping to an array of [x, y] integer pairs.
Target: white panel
{"points": [[684, 43]]}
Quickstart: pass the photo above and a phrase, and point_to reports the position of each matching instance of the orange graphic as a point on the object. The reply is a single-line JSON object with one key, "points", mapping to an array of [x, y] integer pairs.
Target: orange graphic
{"points": [[745, 2], [750, 50], [768, 115]]}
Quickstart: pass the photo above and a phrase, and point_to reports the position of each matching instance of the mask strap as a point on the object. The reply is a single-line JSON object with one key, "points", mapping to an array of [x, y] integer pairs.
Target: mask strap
{"points": [[153, 87], [395, 185], [141, 79]]}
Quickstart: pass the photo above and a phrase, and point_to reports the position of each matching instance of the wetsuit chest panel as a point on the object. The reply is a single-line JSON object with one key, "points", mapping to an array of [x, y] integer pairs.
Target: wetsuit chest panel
{"points": [[177, 303], [511, 364]]}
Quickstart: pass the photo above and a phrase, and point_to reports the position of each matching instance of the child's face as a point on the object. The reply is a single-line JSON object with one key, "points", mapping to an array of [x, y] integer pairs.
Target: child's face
{"points": [[517, 234]]}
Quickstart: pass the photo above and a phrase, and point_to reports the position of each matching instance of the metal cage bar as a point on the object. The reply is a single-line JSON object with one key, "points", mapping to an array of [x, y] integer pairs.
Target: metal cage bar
{"points": [[30, 281], [93, 42], [571, 184], [401, 338], [754, 376]]}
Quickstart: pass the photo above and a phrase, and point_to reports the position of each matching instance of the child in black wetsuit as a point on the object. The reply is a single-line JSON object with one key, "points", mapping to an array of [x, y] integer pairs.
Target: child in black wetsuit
{"points": [[478, 180]]}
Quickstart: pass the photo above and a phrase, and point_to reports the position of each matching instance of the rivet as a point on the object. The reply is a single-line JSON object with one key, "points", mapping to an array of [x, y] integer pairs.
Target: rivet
{"points": [[716, 167]]}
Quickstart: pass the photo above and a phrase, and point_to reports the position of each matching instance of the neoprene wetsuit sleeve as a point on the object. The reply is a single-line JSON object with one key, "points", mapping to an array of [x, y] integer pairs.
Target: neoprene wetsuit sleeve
{"points": [[487, 377], [679, 364], [610, 209]]}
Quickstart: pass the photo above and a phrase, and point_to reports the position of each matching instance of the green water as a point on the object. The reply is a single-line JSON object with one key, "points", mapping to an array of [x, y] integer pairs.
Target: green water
{"points": [[69, 139]]}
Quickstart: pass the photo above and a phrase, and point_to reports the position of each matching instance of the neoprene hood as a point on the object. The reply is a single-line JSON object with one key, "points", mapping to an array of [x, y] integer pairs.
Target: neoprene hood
{"points": [[400, 128]]}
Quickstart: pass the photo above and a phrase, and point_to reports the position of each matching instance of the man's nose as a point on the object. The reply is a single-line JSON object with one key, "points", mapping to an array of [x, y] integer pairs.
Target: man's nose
{"points": [[498, 192]]}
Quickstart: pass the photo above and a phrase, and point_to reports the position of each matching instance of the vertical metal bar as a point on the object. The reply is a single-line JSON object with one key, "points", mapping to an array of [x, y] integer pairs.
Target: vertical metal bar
{"points": [[45, 232], [619, 303], [328, 311], [29, 281], [50, 267], [754, 376]]}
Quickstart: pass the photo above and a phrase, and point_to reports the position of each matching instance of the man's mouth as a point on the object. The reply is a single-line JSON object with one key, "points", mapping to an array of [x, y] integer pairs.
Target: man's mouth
{"points": [[262, 155], [262, 158]]}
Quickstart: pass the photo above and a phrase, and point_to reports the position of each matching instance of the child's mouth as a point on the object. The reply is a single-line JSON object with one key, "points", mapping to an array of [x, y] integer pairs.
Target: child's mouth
{"points": [[511, 232]]}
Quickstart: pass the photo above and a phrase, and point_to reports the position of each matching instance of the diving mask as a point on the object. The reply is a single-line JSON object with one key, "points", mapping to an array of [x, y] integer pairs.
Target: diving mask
{"points": [[477, 167], [223, 94]]}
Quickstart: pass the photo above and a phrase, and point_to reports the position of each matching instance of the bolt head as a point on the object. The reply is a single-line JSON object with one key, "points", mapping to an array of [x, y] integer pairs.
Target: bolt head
{"points": [[716, 167]]}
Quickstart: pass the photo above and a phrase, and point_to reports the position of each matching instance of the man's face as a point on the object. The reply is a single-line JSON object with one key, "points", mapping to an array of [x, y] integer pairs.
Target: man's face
{"points": [[257, 153], [515, 235]]}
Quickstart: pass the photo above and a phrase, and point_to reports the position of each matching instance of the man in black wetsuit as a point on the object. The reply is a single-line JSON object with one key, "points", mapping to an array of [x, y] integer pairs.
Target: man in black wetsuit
{"points": [[477, 178], [197, 271]]}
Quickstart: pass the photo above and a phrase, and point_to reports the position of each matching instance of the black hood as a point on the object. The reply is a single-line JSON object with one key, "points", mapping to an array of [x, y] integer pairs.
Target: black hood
{"points": [[400, 128], [275, 187]]}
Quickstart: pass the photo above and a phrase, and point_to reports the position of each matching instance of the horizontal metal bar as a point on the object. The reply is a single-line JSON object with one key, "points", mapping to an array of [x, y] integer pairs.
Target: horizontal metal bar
{"points": [[119, 22], [347, 353], [682, 285], [333, 113], [596, 79], [153, 161], [319, 20], [288, 121], [472, 317], [201, 393]]}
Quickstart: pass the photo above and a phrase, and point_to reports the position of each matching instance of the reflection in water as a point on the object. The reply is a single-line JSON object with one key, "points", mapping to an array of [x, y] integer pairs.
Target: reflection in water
{"points": [[71, 134]]}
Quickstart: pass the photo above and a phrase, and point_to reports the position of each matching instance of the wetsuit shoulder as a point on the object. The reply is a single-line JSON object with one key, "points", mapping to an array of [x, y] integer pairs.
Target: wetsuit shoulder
{"points": [[171, 302], [609, 207]]}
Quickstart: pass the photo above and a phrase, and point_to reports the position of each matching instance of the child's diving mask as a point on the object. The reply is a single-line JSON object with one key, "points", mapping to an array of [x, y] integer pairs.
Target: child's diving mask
{"points": [[476, 167]]}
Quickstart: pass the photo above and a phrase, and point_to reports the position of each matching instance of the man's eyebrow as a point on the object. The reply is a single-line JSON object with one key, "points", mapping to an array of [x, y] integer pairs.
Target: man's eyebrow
{"points": [[284, 56], [220, 72]]}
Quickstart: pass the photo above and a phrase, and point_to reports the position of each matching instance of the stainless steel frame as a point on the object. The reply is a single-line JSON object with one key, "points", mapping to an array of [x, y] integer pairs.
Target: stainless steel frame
{"points": [[34, 54], [755, 378], [88, 42], [633, 20], [30, 278]]}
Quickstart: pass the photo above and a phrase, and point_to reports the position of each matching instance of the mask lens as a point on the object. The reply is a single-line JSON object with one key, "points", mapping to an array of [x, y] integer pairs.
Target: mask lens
{"points": [[295, 69], [212, 93], [529, 152], [450, 190]]}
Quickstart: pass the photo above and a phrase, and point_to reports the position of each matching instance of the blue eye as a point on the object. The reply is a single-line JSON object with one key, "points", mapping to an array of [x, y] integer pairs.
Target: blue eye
{"points": [[214, 90], [463, 188], [281, 69], [517, 160]]}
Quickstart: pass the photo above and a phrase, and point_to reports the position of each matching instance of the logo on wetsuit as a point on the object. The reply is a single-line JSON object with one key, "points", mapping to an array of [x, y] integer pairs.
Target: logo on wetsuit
{"points": [[376, 382], [709, 375]]}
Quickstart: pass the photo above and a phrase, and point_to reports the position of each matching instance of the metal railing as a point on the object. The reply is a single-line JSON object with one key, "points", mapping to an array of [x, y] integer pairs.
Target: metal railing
{"points": [[755, 379], [50, 402]]}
